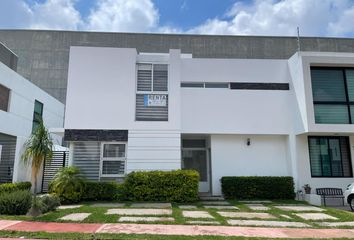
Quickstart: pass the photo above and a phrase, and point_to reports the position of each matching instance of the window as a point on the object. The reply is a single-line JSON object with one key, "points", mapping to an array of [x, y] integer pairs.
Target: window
{"points": [[333, 95], [152, 92], [37, 115], [205, 85], [4, 98], [113, 159], [330, 157]]}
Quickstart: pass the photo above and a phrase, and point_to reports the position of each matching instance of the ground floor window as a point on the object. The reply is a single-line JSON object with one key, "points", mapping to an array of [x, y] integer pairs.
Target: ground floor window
{"points": [[113, 159], [330, 156]]}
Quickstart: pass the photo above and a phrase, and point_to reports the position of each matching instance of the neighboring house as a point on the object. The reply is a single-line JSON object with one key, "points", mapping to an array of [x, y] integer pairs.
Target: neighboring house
{"points": [[128, 111], [22, 106]]}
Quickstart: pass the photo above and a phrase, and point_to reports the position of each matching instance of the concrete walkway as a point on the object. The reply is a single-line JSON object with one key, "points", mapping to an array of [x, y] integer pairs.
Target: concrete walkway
{"points": [[175, 230]]}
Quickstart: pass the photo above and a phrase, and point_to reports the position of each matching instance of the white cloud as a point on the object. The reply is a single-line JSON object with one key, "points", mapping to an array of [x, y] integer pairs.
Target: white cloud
{"points": [[55, 14], [14, 14], [344, 26], [271, 17], [257, 17], [124, 16], [51, 14]]}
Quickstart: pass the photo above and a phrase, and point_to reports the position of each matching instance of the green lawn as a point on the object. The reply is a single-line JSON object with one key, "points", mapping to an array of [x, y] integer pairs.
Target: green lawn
{"points": [[83, 236], [98, 214]]}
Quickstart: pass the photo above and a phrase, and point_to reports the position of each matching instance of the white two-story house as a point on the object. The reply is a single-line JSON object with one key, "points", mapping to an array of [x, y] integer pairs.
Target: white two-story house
{"points": [[129, 111], [22, 106]]}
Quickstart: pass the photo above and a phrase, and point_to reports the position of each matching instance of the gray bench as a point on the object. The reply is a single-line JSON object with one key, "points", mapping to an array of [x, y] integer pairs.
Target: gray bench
{"points": [[330, 193]]}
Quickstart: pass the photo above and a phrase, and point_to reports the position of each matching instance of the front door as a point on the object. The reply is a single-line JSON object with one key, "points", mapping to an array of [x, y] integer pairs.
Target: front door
{"points": [[195, 157]]}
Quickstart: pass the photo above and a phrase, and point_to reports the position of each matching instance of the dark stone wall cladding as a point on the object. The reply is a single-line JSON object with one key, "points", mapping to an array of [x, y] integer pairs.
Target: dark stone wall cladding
{"points": [[95, 135]]}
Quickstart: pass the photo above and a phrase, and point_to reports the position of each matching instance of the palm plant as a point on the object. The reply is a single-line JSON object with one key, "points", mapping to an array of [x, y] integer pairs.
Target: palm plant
{"points": [[68, 184], [37, 149]]}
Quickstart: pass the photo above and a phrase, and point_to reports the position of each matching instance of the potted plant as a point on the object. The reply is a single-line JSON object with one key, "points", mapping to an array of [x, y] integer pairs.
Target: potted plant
{"points": [[307, 188]]}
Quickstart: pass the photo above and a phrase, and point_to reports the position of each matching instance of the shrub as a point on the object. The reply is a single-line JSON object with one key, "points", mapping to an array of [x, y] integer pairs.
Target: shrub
{"points": [[10, 187], [68, 185], [16, 202], [258, 187], [171, 186], [102, 191], [49, 203]]}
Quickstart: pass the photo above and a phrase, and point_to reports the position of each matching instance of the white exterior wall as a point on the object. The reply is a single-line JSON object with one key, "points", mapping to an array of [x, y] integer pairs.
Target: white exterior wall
{"points": [[101, 95], [17, 121], [265, 156], [228, 111], [108, 102]]}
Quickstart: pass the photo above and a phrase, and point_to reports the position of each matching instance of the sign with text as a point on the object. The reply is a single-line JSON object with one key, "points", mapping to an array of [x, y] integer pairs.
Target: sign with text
{"points": [[155, 100]]}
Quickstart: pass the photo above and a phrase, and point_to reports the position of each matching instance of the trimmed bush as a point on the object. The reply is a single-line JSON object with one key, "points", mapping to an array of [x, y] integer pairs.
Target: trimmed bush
{"points": [[94, 191], [49, 203], [68, 185], [16, 202], [258, 187], [11, 187], [165, 186]]}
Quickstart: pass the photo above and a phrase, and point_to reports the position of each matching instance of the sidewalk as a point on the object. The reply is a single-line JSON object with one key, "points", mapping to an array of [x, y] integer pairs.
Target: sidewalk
{"points": [[175, 230]]}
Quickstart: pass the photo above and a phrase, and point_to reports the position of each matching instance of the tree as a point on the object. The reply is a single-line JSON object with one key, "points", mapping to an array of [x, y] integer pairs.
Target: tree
{"points": [[37, 149]]}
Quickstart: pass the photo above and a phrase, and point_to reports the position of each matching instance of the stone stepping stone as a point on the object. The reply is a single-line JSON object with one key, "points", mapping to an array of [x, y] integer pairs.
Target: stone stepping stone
{"points": [[203, 222], [196, 214], [112, 205], [222, 207], [187, 206], [151, 205], [68, 207], [266, 223], [139, 211], [75, 216], [336, 224], [246, 215], [218, 203], [146, 219], [258, 207], [256, 201], [315, 216], [285, 216], [299, 208]]}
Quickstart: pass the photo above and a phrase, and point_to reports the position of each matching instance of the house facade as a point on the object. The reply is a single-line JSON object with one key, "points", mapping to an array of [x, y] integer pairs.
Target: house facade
{"points": [[134, 111], [22, 106]]}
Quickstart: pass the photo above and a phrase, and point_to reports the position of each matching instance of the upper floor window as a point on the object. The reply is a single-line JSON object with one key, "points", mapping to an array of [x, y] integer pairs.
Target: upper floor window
{"points": [[152, 92], [37, 115], [4, 98], [330, 157], [333, 95]]}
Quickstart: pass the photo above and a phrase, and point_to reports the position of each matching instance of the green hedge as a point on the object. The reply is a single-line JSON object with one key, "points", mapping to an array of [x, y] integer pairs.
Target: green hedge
{"points": [[11, 187], [94, 191], [15, 202], [166, 186], [258, 187]]}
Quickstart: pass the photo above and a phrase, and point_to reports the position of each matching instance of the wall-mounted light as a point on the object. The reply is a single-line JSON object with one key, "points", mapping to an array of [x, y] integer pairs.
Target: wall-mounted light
{"points": [[248, 141]]}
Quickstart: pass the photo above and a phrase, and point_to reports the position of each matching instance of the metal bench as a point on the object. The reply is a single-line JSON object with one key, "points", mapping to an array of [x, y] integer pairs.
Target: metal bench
{"points": [[330, 193]]}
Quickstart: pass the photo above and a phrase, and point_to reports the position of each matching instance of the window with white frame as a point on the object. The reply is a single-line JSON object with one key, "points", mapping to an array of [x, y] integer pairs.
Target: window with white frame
{"points": [[152, 92], [113, 159]]}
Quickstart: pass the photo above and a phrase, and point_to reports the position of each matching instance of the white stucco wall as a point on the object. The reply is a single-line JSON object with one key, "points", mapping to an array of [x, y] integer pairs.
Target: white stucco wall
{"points": [[101, 95], [212, 110], [18, 120], [230, 156]]}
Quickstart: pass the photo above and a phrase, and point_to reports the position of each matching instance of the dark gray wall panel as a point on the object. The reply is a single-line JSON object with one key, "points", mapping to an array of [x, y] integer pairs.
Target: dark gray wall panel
{"points": [[7, 57]]}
